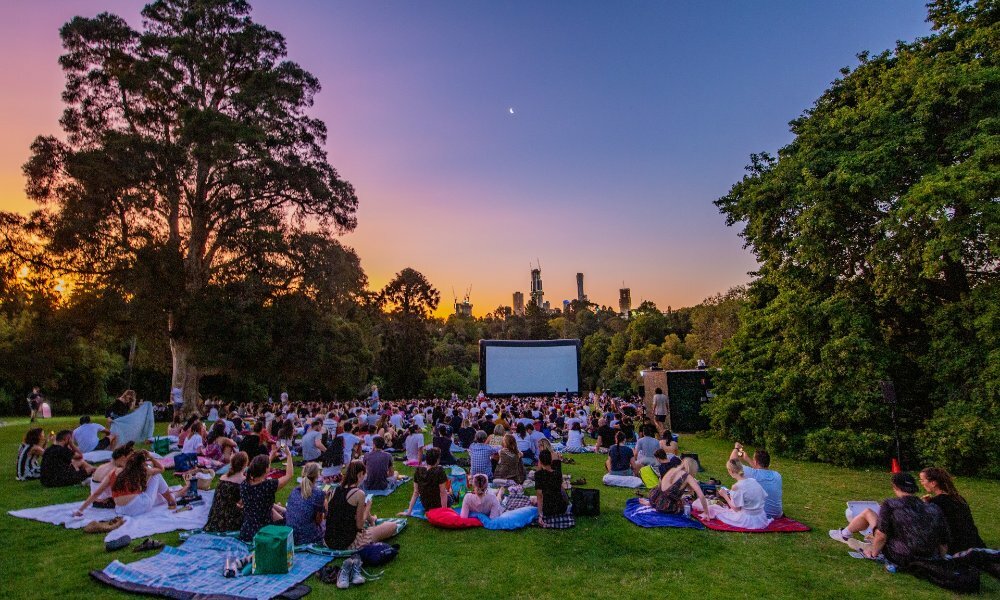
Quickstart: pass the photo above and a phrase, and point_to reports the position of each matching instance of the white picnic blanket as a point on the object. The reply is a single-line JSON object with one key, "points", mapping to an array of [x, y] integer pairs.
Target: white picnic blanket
{"points": [[98, 456], [159, 520]]}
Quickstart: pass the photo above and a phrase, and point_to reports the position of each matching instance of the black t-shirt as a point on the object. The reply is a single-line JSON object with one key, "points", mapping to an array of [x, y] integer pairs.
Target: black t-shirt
{"points": [[553, 497], [606, 435], [621, 457], [428, 482], [963, 533], [466, 435], [57, 467]]}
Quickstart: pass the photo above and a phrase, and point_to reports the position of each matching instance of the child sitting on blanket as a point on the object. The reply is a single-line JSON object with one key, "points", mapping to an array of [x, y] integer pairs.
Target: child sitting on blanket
{"points": [[482, 500]]}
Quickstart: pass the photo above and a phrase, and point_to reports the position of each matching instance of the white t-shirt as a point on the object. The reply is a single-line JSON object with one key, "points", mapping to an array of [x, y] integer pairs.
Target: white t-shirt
{"points": [[193, 443], [574, 439], [85, 436], [413, 443], [418, 420], [397, 420], [350, 440]]}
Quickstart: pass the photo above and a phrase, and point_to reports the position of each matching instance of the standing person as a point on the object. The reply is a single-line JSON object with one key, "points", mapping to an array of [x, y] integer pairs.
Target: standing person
{"points": [[757, 468], [257, 493], [35, 400], [62, 463], [177, 400], [661, 409], [29, 455], [941, 492]]}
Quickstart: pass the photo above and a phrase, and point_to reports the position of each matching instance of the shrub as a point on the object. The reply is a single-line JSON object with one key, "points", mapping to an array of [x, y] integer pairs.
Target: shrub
{"points": [[963, 437], [846, 447]]}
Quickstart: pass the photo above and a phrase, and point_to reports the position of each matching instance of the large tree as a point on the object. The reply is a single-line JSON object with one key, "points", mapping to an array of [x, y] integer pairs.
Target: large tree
{"points": [[878, 234], [409, 300], [188, 161]]}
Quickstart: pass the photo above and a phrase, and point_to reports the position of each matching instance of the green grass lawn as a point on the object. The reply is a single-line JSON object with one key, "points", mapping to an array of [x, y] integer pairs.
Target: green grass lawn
{"points": [[602, 557]]}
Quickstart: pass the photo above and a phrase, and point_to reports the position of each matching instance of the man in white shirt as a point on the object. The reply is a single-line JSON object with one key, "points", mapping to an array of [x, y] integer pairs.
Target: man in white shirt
{"points": [[87, 436], [350, 441]]}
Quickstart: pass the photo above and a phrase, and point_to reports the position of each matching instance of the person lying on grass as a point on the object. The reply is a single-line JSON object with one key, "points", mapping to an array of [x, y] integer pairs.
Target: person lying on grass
{"points": [[138, 488], [430, 484], [668, 496], [744, 506], [905, 528], [257, 492], [349, 522]]}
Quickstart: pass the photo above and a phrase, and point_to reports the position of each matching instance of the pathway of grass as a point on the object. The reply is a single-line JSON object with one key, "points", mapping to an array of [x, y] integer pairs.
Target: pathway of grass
{"points": [[603, 557]]}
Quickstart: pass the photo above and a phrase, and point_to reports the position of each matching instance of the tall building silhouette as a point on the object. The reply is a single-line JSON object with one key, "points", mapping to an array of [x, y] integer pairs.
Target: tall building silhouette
{"points": [[536, 287], [625, 301], [579, 288], [519, 304]]}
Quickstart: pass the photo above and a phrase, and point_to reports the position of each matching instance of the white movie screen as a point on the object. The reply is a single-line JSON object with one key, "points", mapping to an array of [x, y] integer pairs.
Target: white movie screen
{"points": [[531, 368]]}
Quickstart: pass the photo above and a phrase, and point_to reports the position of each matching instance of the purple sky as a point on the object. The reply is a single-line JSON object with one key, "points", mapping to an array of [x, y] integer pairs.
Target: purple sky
{"points": [[629, 120]]}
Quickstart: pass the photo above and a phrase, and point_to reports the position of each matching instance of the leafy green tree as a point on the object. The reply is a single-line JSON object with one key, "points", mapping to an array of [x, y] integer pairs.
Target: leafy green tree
{"points": [[406, 341], [188, 161]]}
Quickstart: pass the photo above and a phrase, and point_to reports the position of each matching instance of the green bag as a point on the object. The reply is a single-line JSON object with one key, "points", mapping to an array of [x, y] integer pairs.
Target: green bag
{"points": [[273, 550], [161, 445], [649, 478]]}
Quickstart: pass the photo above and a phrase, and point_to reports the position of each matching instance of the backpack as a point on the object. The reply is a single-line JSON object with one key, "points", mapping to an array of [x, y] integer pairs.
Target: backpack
{"points": [[377, 554], [586, 502]]}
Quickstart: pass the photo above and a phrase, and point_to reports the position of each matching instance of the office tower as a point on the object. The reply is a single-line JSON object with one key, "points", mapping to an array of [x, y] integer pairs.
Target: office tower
{"points": [[624, 301], [536, 287], [519, 304], [579, 288], [565, 306]]}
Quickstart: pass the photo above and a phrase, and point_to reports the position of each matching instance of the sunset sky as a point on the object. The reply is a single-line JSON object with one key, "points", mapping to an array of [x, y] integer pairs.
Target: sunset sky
{"points": [[628, 120]]}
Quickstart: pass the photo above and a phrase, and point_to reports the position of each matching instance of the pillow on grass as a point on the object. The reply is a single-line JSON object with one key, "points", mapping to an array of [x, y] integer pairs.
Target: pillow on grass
{"points": [[625, 481], [510, 520], [447, 518]]}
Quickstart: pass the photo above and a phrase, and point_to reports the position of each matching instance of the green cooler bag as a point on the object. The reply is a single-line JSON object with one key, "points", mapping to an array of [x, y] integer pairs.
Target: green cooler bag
{"points": [[161, 445], [273, 550]]}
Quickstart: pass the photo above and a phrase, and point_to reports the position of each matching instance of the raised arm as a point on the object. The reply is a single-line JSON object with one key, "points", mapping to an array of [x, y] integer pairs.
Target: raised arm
{"points": [[289, 472]]}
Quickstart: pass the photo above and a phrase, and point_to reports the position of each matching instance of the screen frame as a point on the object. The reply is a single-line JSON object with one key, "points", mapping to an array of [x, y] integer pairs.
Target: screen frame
{"points": [[483, 344]]}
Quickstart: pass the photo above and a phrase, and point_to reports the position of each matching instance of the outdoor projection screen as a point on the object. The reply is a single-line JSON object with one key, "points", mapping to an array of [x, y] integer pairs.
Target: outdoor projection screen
{"points": [[529, 367]]}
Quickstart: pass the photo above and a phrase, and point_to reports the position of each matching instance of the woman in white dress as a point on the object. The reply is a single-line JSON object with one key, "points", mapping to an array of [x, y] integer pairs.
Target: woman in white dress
{"points": [[744, 503], [574, 439]]}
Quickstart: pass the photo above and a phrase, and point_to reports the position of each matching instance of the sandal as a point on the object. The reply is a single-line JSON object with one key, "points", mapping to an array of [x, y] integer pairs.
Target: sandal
{"points": [[118, 544], [147, 545], [580, 481]]}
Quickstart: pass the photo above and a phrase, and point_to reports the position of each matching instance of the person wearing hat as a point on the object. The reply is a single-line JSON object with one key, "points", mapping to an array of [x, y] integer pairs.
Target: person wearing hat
{"points": [[905, 529]]}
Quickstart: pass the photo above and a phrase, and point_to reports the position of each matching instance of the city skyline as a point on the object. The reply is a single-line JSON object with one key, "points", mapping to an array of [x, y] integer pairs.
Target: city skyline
{"points": [[480, 137]]}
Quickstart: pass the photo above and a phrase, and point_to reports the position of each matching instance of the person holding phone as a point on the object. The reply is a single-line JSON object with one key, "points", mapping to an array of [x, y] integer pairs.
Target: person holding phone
{"points": [[257, 493], [349, 522]]}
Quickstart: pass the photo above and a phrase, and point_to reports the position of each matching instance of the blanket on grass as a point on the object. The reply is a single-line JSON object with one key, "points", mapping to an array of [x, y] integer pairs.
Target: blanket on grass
{"points": [[196, 567], [135, 426], [625, 481], [159, 520], [647, 516], [779, 525]]}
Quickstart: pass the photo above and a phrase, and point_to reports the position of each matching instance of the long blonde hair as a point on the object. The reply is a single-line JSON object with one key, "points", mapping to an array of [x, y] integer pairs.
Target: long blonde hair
{"points": [[310, 473]]}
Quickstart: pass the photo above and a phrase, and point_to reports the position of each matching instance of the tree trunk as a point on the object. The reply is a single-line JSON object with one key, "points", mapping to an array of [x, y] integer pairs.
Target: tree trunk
{"points": [[185, 371]]}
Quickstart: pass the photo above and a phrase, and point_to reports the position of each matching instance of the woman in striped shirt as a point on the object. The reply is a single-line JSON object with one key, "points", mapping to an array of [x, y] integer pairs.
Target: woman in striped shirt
{"points": [[29, 456]]}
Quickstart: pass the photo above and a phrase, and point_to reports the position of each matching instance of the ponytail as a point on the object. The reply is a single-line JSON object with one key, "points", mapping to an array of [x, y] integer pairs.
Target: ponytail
{"points": [[310, 473]]}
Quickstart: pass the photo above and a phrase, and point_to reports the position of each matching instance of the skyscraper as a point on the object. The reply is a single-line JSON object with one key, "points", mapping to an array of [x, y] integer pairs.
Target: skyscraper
{"points": [[536, 287], [579, 288], [624, 301], [519, 304]]}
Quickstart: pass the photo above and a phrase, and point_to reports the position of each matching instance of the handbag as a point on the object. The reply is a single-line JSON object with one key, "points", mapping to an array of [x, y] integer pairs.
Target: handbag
{"points": [[586, 502], [185, 461]]}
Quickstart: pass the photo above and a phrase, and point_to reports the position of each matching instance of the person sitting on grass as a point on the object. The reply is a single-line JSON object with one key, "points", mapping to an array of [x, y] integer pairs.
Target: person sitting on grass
{"points": [[481, 500], [349, 522], [379, 474], [62, 464], [257, 492], [510, 466], [941, 492], [466, 433], [218, 447], [553, 505], [93, 436], [194, 437], [29, 455], [574, 439], [496, 439], [904, 530], [668, 443], [307, 506], [226, 513], [619, 461], [645, 449], [525, 445], [138, 488], [605, 435], [744, 503], [312, 441], [480, 456], [668, 496], [119, 456], [414, 446], [442, 441], [430, 484], [758, 468]]}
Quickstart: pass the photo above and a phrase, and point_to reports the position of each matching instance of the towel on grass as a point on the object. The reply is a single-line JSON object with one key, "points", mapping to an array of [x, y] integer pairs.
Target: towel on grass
{"points": [[625, 481], [158, 520], [647, 516], [779, 525], [196, 567], [135, 426]]}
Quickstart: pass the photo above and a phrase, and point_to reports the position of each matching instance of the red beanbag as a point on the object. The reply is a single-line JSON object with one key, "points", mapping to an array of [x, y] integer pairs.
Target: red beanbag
{"points": [[447, 518]]}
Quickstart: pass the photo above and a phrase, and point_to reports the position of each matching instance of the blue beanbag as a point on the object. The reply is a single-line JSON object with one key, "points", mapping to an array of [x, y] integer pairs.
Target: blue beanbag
{"points": [[510, 520]]}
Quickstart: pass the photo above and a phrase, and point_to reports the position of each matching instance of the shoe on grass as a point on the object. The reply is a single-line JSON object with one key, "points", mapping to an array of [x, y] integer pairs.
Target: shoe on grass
{"points": [[118, 544], [147, 545], [838, 535], [356, 577], [344, 575]]}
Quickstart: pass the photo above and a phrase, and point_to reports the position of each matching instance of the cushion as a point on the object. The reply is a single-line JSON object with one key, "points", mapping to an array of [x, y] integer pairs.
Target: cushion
{"points": [[510, 520], [447, 518], [649, 478], [626, 481]]}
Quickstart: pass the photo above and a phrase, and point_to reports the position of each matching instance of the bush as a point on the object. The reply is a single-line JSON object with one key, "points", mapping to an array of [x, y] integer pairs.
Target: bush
{"points": [[846, 447], [963, 437]]}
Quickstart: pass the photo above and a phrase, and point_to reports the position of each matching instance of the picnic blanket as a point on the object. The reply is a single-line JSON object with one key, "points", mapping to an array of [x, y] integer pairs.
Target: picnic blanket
{"points": [[99, 456], [647, 516], [158, 520], [135, 426], [392, 487], [625, 481], [196, 567], [779, 525]]}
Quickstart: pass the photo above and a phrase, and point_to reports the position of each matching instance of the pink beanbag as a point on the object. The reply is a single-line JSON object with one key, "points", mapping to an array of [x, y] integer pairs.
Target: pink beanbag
{"points": [[447, 518]]}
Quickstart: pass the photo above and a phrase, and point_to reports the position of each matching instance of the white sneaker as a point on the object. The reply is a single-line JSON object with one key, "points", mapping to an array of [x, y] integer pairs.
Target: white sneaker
{"points": [[837, 534]]}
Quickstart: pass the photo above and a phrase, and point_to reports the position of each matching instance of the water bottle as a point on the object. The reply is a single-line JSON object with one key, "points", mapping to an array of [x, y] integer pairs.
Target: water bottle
{"points": [[687, 509], [890, 568]]}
